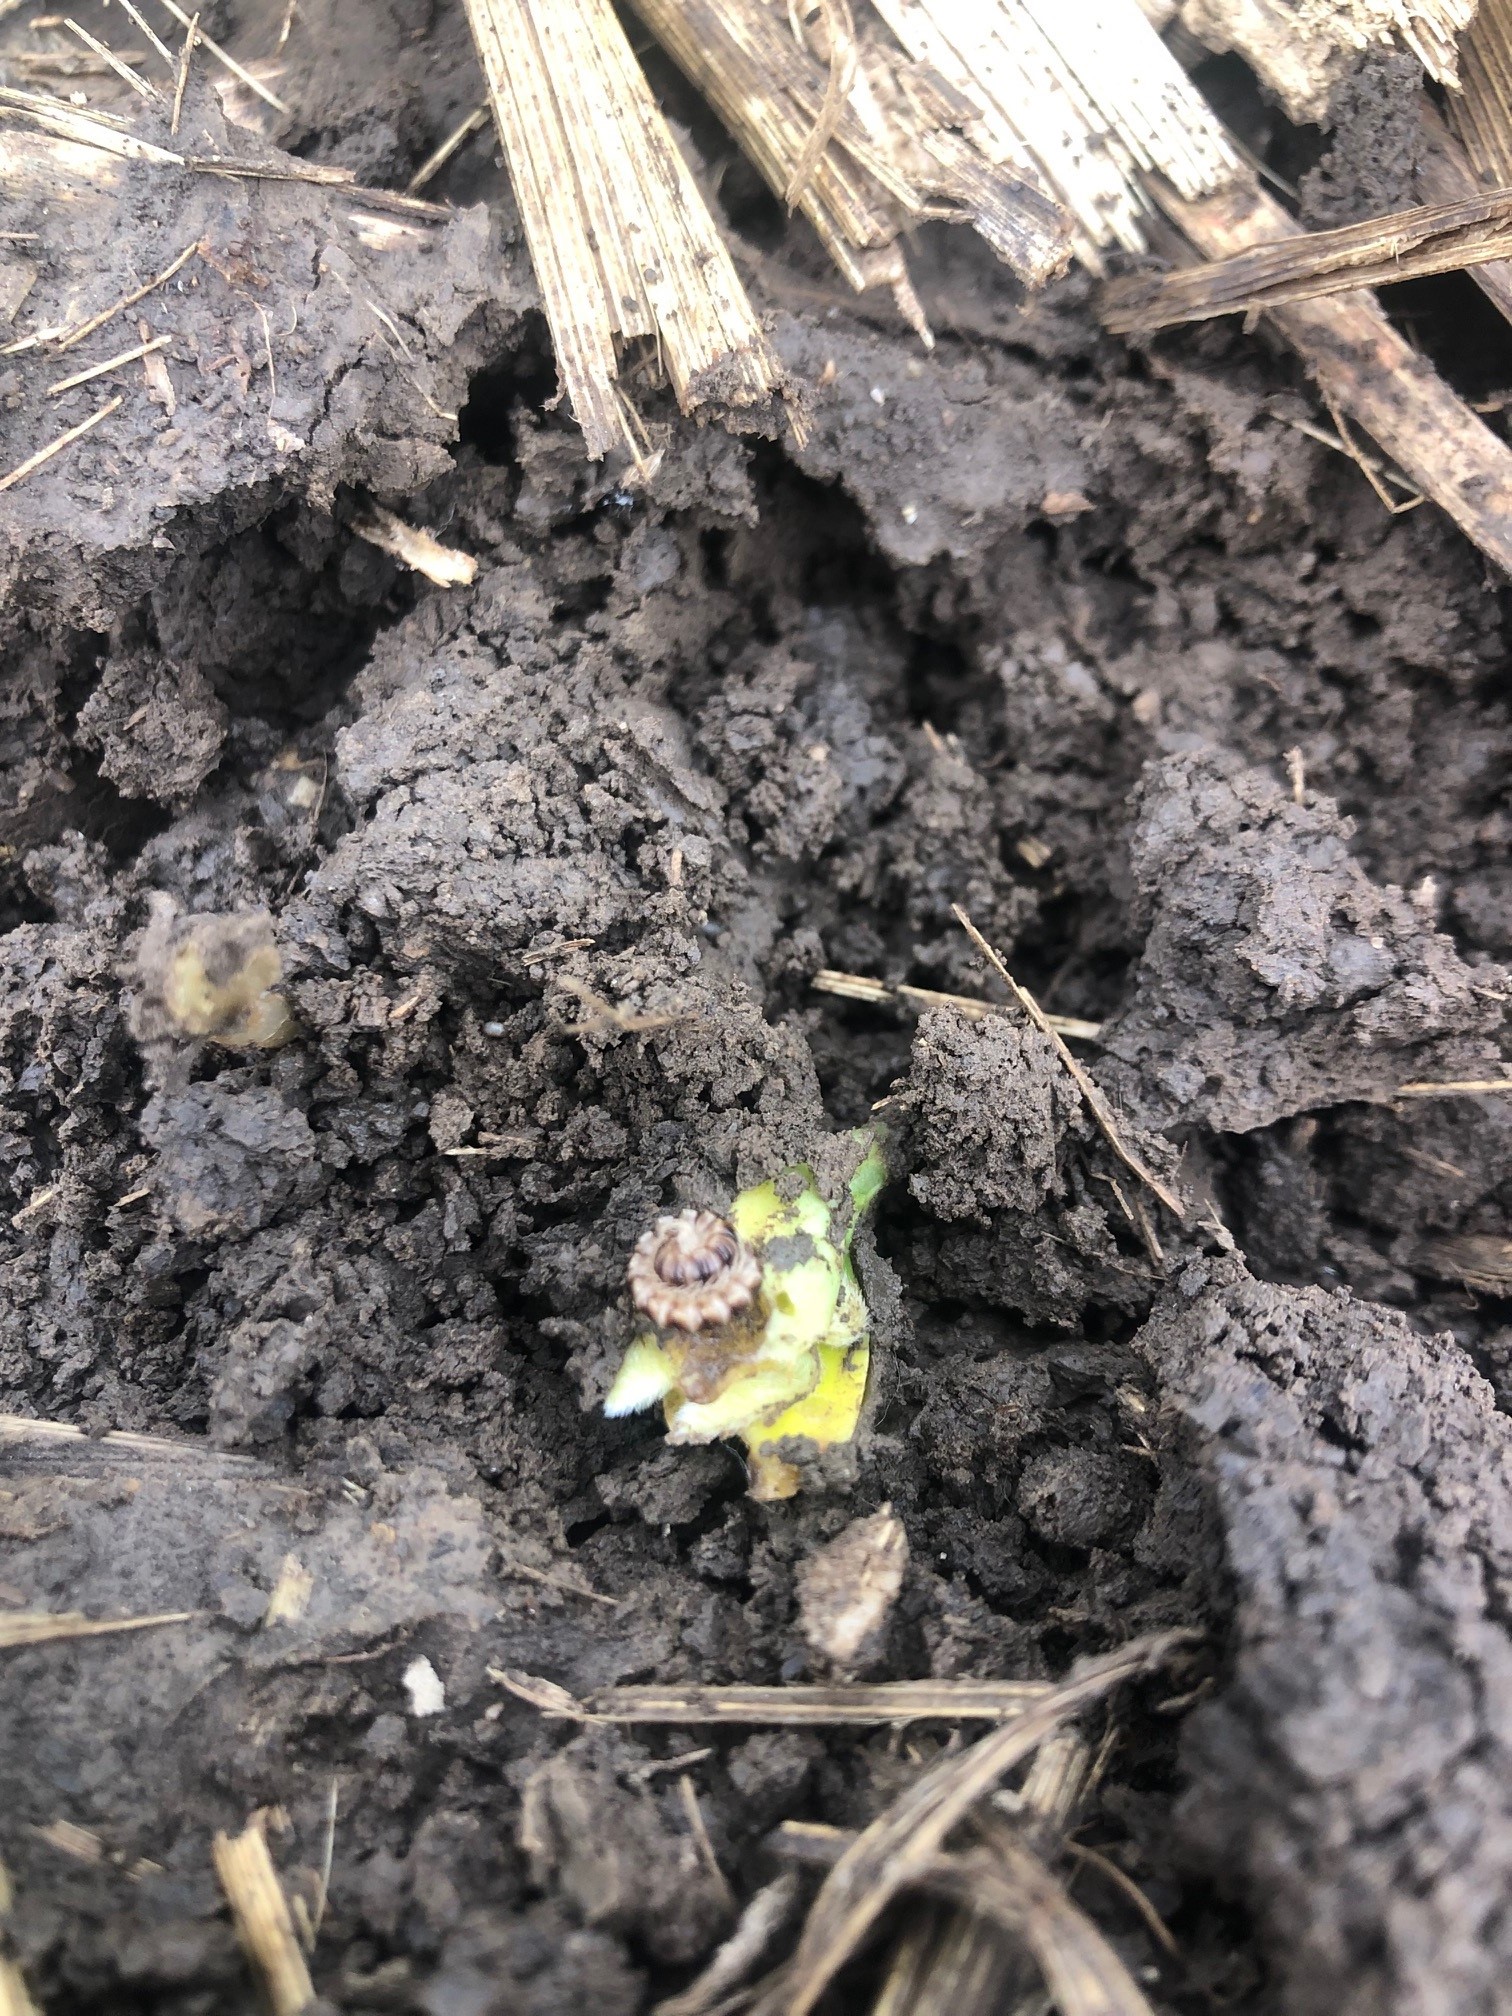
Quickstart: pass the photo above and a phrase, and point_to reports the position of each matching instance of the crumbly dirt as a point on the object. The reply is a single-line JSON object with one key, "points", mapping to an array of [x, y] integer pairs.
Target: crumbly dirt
{"points": [[1092, 641]]}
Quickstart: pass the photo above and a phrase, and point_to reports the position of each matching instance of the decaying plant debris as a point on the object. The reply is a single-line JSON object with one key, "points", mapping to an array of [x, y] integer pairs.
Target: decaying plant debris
{"points": [[538, 704]]}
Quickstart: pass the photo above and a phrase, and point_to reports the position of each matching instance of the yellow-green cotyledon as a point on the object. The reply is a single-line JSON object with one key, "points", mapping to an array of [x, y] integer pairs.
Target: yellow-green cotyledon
{"points": [[759, 1328]]}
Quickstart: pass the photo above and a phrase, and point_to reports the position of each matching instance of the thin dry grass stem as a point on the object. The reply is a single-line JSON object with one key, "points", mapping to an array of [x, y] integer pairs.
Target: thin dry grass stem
{"points": [[858, 987], [1127, 1888], [66, 338], [135, 13], [45, 454], [1008, 1885], [968, 1966], [264, 1923], [20, 1429], [622, 244], [896, 1852], [86, 129], [1097, 1105], [807, 1706], [762, 1921], [181, 80], [213, 48], [327, 1857], [698, 1827], [1451, 1088], [112, 62], [1368, 466], [41, 1627], [844, 57], [570, 1585], [131, 356], [1406, 245], [454, 142]]}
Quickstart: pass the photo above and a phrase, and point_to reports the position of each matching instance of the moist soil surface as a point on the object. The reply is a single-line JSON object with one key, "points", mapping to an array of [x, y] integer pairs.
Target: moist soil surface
{"points": [[1093, 641]]}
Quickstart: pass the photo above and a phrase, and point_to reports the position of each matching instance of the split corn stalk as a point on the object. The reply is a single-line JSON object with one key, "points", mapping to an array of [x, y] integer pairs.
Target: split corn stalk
{"points": [[895, 154], [622, 243], [1082, 93]]}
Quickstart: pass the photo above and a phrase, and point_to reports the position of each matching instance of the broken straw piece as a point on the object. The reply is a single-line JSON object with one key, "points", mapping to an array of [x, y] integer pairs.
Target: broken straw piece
{"points": [[885, 164], [1088, 96], [622, 244]]}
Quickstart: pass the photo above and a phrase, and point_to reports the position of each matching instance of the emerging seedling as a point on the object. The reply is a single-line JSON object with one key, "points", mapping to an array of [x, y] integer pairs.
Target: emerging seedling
{"points": [[760, 1329]]}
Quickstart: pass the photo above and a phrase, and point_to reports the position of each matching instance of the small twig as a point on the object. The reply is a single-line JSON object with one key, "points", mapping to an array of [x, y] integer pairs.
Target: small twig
{"points": [[181, 82], [228, 62], [110, 364], [454, 142], [858, 987], [34, 462], [1097, 1104], [108, 56], [1366, 464]]}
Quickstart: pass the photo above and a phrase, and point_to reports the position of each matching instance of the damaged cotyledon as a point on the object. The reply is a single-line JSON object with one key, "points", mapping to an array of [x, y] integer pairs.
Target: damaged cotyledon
{"points": [[759, 1327]]}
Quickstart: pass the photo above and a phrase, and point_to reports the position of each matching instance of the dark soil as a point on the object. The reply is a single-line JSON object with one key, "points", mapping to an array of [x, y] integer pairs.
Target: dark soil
{"points": [[1032, 624]]}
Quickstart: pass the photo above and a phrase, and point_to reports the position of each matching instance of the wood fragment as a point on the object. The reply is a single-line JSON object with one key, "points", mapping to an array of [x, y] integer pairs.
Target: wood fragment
{"points": [[457, 139], [896, 1851], [1363, 365], [622, 244], [858, 987], [34, 462], [15, 1999], [1407, 244], [18, 1430], [413, 546], [1097, 1105], [213, 48], [130, 356], [807, 1706], [44, 1627], [112, 62], [263, 1921]]}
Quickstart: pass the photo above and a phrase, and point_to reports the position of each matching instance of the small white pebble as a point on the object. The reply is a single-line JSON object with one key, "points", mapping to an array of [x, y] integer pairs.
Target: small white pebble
{"points": [[423, 1685], [909, 513], [493, 1028], [878, 396]]}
